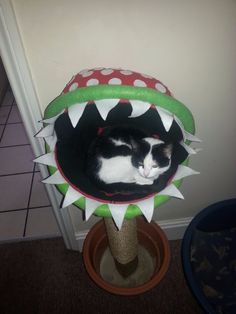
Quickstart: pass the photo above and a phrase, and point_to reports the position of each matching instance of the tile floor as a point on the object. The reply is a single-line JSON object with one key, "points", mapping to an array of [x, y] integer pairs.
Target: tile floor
{"points": [[25, 210]]}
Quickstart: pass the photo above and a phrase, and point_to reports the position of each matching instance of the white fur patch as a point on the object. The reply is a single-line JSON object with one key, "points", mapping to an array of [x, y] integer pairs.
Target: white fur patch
{"points": [[116, 169], [120, 143], [153, 141]]}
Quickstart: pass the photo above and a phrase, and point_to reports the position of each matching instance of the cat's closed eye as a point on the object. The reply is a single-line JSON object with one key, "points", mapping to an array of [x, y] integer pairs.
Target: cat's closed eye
{"points": [[155, 166], [140, 164]]}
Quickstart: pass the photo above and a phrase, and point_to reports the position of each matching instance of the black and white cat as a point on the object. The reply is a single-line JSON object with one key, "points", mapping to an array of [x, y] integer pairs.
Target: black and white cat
{"points": [[125, 155]]}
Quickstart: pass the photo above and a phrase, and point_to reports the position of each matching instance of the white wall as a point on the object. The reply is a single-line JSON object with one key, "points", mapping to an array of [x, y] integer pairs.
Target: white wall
{"points": [[189, 45]]}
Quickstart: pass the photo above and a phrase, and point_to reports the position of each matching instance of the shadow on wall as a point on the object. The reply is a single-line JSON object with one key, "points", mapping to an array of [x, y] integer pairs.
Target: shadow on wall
{"points": [[3, 81]]}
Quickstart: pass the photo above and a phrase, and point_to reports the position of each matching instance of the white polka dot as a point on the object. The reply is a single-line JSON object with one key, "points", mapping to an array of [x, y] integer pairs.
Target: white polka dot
{"points": [[161, 88], [73, 86], [115, 81], [147, 76], [140, 83], [126, 72], [84, 70], [92, 82], [107, 71], [86, 73], [98, 69]]}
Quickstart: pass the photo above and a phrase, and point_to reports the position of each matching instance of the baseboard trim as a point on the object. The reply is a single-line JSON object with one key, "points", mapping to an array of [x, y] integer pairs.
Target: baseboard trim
{"points": [[173, 228]]}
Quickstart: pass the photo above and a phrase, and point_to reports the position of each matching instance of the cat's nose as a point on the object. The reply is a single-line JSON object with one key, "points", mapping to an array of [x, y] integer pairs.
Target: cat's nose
{"points": [[146, 173]]}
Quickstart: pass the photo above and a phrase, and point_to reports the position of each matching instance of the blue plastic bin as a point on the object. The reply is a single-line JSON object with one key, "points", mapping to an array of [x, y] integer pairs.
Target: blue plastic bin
{"points": [[209, 257]]}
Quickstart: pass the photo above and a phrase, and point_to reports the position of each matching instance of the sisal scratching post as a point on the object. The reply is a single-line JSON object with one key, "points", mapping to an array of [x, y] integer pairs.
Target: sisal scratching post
{"points": [[123, 245]]}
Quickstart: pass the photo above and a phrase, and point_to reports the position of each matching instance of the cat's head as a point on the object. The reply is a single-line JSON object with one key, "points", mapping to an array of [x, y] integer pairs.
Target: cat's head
{"points": [[151, 157]]}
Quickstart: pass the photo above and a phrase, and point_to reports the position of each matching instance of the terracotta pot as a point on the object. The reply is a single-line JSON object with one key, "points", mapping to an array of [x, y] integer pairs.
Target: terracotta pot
{"points": [[150, 236]]}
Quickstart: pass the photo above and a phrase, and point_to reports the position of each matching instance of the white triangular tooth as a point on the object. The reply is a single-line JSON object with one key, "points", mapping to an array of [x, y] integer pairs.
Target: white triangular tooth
{"points": [[46, 131], [166, 118], [147, 208], [189, 149], [47, 159], [138, 108], [187, 135], [181, 126], [90, 207], [104, 106], [71, 196], [183, 172], [197, 150], [75, 112], [192, 137], [171, 190], [118, 213], [51, 141], [56, 178], [52, 120]]}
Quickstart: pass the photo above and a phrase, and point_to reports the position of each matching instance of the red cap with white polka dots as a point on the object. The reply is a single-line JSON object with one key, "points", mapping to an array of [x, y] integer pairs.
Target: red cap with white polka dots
{"points": [[108, 76]]}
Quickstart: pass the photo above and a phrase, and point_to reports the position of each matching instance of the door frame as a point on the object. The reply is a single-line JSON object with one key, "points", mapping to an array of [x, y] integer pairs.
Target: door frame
{"points": [[18, 72]]}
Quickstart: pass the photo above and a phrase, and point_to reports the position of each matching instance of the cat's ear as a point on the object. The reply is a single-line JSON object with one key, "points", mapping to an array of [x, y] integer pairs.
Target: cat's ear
{"points": [[168, 149]]}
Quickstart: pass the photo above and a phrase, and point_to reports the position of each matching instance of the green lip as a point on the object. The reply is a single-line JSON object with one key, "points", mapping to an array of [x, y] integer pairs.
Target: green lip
{"points": [[99, 92]]}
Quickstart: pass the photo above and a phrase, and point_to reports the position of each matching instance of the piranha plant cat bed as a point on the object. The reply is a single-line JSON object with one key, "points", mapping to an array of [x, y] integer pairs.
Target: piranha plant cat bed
{"points": [[93, 101]]}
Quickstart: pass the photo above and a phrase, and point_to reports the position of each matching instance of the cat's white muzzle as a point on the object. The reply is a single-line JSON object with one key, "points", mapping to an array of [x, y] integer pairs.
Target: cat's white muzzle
{"points": [[146, 173]]}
